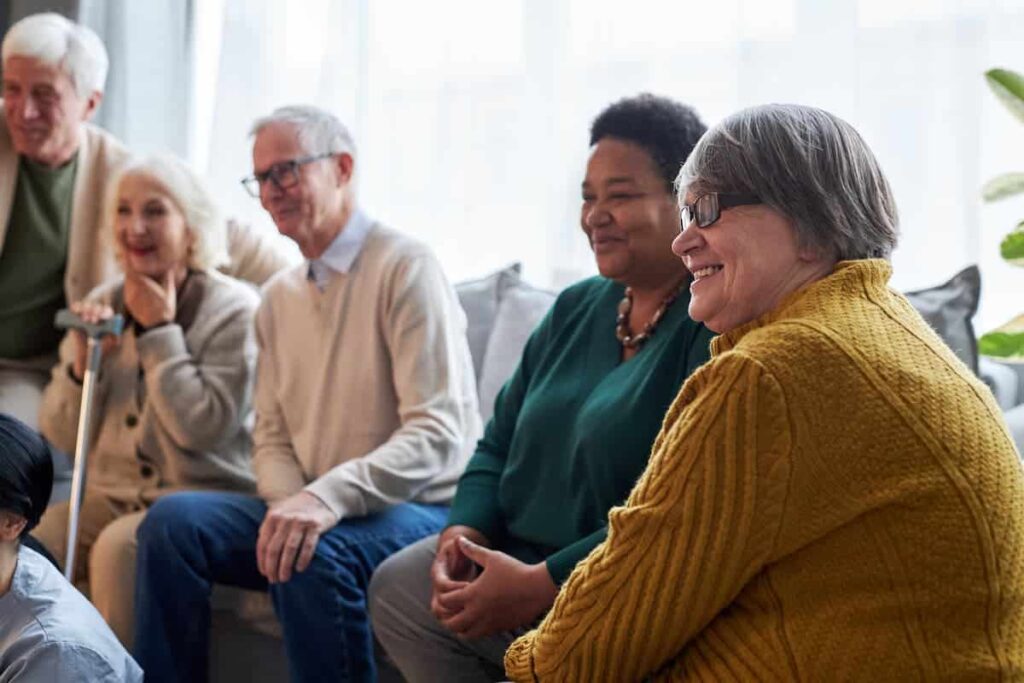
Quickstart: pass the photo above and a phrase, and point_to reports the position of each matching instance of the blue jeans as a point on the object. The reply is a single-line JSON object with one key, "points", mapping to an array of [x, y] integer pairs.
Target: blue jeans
{"points": [[190, 541]]}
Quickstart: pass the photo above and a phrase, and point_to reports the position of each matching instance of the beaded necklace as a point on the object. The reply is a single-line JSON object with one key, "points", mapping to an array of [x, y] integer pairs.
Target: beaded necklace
{"points": [[622, 331]]}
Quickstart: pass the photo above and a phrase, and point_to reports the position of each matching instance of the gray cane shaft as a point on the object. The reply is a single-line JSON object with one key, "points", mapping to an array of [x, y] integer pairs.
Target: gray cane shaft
{"points": [[93, 354]]}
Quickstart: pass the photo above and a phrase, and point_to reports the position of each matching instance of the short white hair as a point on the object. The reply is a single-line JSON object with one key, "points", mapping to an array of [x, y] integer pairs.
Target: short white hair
{"points": [[59, 42], [320, 132], [189, 194]]}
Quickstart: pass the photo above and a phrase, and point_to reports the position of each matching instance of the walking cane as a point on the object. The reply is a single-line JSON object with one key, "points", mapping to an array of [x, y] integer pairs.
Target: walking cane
{"points": [[94, 333]]}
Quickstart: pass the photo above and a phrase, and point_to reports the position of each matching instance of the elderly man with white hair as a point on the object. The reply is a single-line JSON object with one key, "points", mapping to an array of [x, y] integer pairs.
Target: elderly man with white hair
{"points": [[54, 170], [365, 415]]}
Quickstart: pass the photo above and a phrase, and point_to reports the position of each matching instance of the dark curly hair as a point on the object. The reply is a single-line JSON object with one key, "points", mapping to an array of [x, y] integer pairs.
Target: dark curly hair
{"points": [[664, 128]]}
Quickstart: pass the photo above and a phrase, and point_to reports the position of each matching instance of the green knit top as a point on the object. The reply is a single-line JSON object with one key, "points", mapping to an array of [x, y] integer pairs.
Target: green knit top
{"points": [[573, 427]]}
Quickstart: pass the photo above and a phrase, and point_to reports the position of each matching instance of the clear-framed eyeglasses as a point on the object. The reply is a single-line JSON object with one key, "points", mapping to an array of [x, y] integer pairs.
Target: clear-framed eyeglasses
{"points": [[283, 174], [707, 208]]}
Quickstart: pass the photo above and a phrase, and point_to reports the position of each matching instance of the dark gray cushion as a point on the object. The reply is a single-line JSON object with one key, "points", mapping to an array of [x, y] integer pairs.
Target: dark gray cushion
{"points": [[949, 307]]}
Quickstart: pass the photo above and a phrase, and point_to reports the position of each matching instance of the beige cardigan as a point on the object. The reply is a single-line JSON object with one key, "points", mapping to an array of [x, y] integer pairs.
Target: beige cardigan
{"points": [[173, 407], [365, 393]]}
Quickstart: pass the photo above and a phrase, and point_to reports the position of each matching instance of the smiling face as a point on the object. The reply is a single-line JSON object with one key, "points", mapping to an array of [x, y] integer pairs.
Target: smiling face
{"points": [[315, 209], [44, 111], [149, 229], [628, 215], [744, 265]]}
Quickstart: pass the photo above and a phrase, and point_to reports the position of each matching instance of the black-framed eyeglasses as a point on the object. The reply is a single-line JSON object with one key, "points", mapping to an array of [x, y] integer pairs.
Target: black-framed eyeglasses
{"points": [[283, 174], [707, 208]]}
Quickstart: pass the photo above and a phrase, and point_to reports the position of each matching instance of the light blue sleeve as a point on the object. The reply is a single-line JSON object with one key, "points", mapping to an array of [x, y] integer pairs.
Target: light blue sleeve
{"points": [[69, 663]]}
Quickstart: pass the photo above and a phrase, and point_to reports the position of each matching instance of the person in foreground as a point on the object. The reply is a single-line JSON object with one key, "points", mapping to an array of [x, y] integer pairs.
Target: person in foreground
{"points": [[173, 399], [572, 428], [834, 495], [366, 413], [48, 631]]}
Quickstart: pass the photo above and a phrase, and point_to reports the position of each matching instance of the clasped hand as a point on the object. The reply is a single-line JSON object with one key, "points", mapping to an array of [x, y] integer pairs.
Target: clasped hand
{"points": [[478, 592], [91, 312]]}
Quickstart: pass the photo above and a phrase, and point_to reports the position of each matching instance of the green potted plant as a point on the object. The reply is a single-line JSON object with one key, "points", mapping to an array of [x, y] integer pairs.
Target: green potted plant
{"points": [[1007, 341]]}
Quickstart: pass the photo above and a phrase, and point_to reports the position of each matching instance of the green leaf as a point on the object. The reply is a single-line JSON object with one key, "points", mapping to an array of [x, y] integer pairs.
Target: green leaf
{"points": [[1009, 88], [1012, 246], [1002, 344], [1003, 186]]}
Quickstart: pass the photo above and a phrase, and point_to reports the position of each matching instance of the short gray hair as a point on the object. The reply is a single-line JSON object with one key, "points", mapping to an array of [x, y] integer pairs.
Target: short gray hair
{"points": [[806, 163], [320, 132], [59, 42], [189, 194]]}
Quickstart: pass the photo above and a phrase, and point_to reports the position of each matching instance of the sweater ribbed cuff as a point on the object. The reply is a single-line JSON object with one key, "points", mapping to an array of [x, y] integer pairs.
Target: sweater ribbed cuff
{"points": [[519, 658], [343, 499]]}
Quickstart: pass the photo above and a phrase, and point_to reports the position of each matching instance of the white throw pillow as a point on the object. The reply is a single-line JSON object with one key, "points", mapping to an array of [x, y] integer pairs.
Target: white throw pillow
{"points": [[519, 311]]}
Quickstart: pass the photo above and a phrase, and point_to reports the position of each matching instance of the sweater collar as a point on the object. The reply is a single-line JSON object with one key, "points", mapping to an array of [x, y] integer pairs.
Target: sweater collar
{"points": [[848, 278]]}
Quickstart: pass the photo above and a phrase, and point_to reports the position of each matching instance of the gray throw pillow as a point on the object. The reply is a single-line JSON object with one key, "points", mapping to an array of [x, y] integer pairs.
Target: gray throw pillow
{"points": [[479, 299], [519, 312], [949, 307]]}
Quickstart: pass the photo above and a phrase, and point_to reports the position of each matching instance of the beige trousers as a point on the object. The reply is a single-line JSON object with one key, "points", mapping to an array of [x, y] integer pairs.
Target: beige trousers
{"points": [[105, 558]]}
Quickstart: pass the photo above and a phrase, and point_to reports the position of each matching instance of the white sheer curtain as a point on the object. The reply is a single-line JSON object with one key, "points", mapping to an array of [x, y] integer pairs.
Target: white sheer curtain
{"points": [[471, 116]]}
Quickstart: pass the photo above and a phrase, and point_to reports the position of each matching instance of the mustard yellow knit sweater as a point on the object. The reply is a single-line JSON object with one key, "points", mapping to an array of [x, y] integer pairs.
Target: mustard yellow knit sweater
{"points": [[833, 496]]}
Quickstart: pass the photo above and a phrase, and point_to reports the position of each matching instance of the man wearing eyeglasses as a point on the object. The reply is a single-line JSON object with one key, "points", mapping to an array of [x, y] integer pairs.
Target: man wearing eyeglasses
{"points": [[365, 415], [54, 170]]}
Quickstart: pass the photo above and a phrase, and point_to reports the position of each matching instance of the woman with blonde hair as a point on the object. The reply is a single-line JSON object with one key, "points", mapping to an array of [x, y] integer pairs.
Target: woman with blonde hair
{"points": [[172, 403]]}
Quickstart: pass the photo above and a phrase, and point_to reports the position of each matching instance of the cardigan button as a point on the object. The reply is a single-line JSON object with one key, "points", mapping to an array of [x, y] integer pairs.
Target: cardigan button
{"points": [[131, 420], [146, 471]]}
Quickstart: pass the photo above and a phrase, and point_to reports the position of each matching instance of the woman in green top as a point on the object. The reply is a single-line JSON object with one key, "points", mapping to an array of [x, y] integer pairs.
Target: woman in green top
{"points": [[572, 428]]}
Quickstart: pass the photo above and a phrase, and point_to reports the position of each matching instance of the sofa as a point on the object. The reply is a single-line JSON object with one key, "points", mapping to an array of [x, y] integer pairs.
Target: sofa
{"points": [[501, 311]]}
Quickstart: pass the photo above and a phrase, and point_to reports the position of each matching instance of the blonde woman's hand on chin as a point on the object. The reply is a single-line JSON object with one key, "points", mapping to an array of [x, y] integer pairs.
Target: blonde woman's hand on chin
{"points": [[91, 312], [149, 301]]}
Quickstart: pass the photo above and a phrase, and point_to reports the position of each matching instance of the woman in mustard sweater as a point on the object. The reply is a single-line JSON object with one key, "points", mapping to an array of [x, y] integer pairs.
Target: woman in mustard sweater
{"points": [[834, 495]]}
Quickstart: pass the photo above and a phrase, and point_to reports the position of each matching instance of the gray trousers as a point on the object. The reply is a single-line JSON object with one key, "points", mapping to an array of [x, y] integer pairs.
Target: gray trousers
{"points": [[415, 641]]}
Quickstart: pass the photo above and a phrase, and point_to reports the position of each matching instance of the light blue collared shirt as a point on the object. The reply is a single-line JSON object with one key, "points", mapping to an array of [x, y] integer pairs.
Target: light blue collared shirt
{"points": [[342, 252], [49, 632]]}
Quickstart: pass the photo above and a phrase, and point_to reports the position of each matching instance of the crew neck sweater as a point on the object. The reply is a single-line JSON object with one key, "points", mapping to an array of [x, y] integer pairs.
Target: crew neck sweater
{"points": [[365, 393]]}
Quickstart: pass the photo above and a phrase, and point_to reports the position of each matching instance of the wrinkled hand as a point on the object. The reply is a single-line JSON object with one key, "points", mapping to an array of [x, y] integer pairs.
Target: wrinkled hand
{"points": [[507, 594], [452, 569], [289, 534], [150, 302], [92, 313]]}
